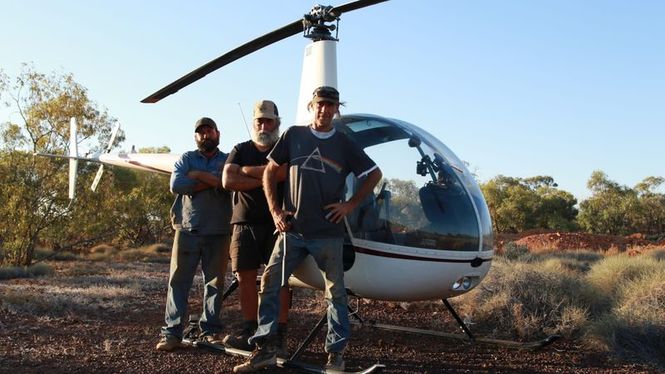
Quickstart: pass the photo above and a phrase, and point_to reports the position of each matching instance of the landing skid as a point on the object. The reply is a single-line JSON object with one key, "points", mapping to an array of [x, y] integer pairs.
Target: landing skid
{"points": [[286, 363], [191, 337], [468, 336]]}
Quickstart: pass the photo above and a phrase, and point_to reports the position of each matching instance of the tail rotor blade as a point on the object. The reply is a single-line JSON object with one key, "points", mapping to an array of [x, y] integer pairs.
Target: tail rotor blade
{"points": [[73, 162], [114, 133], [98, 177]]}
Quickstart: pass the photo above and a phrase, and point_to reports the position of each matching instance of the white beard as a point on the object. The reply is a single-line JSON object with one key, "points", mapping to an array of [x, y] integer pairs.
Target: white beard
{"points": [[266, 139]]}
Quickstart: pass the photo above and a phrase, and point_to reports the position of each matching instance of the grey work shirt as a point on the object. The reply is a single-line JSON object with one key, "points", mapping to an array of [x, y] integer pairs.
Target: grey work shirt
{"points": [[318, 166], [205, 212]]}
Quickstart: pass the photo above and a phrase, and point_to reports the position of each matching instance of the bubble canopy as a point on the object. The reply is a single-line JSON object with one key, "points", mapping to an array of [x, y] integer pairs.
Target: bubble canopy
{"points": [[434, 203]]}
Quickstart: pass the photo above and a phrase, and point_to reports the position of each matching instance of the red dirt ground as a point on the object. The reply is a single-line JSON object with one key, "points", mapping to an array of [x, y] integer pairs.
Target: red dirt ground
{"points": [[543, 241], [122, 339]]}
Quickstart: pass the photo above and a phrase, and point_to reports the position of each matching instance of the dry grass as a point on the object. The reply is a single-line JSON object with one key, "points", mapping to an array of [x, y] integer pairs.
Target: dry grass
{"points": [[47, 254], [529, 300], [59, 301], [104, 249], [85, 290], [609, 275], [614, 302], [636, 323], [151, 253], [657, 254], [36, 270]]}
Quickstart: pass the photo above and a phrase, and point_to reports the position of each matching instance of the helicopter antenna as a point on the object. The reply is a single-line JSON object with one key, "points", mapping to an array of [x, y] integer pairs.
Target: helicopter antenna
{"points": [[242, 114]]}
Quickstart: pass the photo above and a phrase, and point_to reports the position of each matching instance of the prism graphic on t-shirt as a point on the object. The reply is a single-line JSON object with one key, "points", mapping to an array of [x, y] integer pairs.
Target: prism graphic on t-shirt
{"points": [[314, 162]]}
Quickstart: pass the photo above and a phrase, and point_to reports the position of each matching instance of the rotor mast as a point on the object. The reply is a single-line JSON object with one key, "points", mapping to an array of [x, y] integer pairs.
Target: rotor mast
{"points": [[320, 58]]}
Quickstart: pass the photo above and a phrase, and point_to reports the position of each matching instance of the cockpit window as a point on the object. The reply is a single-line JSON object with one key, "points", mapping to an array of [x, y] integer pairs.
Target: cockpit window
{"points": [[430, 204]]}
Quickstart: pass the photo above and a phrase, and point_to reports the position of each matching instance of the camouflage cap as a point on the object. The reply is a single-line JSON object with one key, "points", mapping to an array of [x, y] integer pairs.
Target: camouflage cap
{"points": [[326, 93], [265, 109]]}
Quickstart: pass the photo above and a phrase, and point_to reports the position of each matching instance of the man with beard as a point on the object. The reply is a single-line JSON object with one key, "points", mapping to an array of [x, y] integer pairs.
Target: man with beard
{"points": [[310, 214], [200, 216], [253, 235]]}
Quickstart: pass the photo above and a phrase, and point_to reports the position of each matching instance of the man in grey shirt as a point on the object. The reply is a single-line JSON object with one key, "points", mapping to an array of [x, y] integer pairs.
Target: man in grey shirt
{"points": [[319, 158], [200, 215]]}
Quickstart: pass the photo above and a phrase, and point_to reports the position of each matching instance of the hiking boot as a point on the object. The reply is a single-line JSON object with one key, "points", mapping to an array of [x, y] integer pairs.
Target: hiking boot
{"points": [[169, 343], [262, 357], [240, 341], [212, 338], [335, 361], [282, 349]]}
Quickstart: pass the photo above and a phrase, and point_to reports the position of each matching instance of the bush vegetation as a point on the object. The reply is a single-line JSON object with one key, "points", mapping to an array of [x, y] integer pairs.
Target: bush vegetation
{"points": [[36, 270], [611, 302], [635, 326], [529, 300]]}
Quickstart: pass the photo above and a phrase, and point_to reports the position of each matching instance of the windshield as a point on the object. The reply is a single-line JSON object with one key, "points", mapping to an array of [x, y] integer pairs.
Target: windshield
{"points": [[431, 201]]}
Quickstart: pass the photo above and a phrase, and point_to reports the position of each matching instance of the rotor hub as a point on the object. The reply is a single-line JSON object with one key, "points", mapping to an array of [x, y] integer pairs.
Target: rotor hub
{"points": [[316, 23]]}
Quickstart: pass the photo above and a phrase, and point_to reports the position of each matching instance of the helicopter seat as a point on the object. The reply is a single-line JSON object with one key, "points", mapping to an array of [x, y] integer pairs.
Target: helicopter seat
{"points": [[366, 215], [432, 205], [364, 221], [451, 217]]}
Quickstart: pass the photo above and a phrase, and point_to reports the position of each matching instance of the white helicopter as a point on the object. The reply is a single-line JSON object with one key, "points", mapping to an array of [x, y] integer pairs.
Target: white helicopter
{"points": [[441, 248]]}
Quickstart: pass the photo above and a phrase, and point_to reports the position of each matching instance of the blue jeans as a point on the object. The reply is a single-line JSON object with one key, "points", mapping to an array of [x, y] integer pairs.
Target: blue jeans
{"points": [[213, 253], [328, 256]]}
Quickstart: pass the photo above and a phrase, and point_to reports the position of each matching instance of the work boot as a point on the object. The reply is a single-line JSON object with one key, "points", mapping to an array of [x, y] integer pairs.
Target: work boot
{"points": [[282, 349], [262, 357], [169, 343], [240, 341], [335, 361]]}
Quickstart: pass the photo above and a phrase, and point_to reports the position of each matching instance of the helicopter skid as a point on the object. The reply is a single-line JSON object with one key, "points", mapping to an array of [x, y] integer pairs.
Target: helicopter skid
{"points": [[499, 342], [285, 363]]}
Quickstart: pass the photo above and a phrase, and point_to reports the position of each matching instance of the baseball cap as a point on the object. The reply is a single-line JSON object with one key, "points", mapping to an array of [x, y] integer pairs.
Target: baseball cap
{"points": [[265, 109], [205, 121], [326, 93]]}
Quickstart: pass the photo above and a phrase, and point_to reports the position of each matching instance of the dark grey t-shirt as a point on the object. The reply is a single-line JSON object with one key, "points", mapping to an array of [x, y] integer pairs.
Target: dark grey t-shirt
{"points": [[316, 175]]}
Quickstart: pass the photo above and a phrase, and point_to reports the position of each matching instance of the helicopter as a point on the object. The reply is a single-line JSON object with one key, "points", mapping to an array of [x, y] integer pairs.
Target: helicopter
{"points": [[437, 246]]}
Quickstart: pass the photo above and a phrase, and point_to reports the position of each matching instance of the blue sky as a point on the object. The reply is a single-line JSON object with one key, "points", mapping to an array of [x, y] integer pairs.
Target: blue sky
{"points": [[519, 88]]}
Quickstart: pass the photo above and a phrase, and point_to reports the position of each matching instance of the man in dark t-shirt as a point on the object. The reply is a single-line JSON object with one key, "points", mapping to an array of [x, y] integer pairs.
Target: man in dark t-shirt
{"points": [[253, 235], [310, 215]]}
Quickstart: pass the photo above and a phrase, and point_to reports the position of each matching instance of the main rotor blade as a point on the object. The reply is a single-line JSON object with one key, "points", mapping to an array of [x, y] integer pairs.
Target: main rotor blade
{"points": [[225, 59], [247, 48], [338, 10]]}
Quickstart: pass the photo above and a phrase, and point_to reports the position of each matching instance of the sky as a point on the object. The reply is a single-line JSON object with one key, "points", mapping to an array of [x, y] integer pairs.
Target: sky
{"points": [[515, 87]]}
